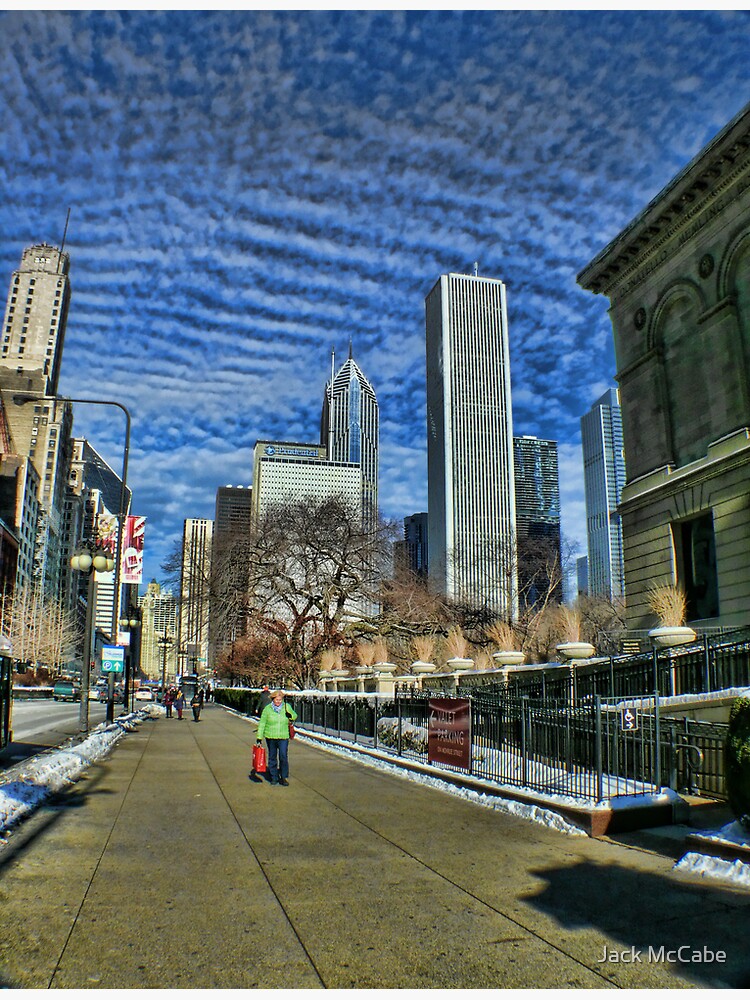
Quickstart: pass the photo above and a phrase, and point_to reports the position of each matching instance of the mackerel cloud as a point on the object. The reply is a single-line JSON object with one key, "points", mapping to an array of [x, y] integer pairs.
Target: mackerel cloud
{"points": [[250, 190]]}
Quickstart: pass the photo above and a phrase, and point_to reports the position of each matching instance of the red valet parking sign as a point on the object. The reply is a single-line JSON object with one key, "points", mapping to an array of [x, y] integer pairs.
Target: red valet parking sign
{"points": [[449, 732]]}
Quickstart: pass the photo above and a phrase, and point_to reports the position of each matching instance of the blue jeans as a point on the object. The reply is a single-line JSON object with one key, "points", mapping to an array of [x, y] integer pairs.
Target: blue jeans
{"points": [[278, 768]]}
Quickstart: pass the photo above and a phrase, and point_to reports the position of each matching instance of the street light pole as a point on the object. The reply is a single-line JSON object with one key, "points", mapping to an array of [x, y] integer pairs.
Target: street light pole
{"points": [[23, 398], [89, 557], [164, 643]]}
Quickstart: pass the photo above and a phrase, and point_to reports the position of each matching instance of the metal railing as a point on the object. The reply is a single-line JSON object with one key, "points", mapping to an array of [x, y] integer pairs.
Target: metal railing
{"points": [[578, 751]]}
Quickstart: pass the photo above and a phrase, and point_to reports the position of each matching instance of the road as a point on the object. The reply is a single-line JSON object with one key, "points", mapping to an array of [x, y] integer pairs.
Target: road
{"points": [[39, 725]]}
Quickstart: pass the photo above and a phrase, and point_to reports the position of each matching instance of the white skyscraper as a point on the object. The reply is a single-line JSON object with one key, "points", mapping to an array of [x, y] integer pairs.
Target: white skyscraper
{"points": [[195, 591], [604, 478], [471, 495], [349, 427]]}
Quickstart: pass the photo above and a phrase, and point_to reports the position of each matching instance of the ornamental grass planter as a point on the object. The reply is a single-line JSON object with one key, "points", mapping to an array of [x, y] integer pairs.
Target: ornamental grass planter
{"points": [[575, 650], [508, 657], [672, 635], [422, 667], [457, 663]]}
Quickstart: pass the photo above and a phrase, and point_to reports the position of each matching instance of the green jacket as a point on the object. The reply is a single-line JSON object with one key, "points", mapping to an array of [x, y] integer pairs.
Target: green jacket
{"points": [[275, 725]]}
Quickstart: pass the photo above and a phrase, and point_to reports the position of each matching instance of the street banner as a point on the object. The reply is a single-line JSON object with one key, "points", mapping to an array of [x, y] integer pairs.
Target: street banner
{"points": [[106, 529], [132, 549], [113, 660], [449, 732]]}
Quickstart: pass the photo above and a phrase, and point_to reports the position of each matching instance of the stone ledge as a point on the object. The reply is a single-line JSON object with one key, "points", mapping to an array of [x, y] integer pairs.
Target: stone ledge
{"points": [[723, 849]]}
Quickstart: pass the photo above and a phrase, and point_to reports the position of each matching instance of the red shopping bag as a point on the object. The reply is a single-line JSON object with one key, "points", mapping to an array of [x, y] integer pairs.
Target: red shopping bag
{"points": [[259, 759]]}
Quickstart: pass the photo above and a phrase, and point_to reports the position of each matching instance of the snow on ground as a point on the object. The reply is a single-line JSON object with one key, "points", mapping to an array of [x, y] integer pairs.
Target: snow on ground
{"points": [[708, 867], [26, 786]]}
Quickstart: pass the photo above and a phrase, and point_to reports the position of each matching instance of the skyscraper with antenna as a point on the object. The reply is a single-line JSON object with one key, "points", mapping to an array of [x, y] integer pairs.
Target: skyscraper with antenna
{"points": [[35, 316], [349, 427]]}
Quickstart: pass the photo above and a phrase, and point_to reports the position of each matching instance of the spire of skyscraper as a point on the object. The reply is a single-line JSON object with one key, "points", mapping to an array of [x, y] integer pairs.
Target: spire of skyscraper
{"points": [[349, 427]]}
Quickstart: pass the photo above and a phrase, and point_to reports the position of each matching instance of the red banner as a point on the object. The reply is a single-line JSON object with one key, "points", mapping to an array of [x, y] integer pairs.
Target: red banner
{"points": [[449, 732], [132, 549]]}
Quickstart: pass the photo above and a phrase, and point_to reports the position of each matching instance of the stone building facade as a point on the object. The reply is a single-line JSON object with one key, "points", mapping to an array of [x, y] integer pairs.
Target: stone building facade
{"points": [[678, 280]]}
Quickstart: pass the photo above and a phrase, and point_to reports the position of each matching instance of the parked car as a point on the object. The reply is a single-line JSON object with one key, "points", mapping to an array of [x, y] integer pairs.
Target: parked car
{"points": [[144, 694], [66, 691]]}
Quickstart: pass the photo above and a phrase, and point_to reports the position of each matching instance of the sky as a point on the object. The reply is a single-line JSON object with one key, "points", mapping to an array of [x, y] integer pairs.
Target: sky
{"points": [[251, 190]]}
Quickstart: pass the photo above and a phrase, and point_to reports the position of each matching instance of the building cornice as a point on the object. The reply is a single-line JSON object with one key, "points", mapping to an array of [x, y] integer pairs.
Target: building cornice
{"points": [[695, 196]]}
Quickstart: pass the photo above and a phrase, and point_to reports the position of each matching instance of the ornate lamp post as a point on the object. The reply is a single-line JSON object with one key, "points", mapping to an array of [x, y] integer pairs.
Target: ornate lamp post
{"points": [[130, 624], [90, 557], [23, 398], [164, 642]]}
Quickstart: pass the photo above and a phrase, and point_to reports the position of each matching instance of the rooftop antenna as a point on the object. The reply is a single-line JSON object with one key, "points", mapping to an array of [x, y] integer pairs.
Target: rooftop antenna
{"points": [[330, 409], [476, 268], [65, 236], [350, 348]]}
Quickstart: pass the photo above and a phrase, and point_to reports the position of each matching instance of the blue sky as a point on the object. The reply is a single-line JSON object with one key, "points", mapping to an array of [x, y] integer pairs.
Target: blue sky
{"points": [[249, 190]]}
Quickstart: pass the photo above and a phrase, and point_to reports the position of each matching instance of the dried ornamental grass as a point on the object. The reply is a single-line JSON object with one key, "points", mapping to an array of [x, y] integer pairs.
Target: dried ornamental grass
{"points": [[569, 624], [380, 650], [669, 603], [456, 644], [423, 647], [503, 636], [365, 653], [483, 661], [330, 659]]}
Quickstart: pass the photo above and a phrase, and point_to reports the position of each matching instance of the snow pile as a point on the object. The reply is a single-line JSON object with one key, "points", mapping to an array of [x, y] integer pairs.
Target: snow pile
{"points": [[28, 785], [708, 867]]}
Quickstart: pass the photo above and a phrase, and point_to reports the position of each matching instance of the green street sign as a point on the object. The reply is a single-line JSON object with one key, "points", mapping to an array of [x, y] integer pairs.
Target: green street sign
{"points": [[113, 659]]}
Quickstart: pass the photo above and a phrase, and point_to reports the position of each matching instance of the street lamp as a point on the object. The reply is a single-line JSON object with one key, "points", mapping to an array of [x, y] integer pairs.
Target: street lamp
{"points": [[164, 642], [89, 557], [21, 400], [130, 624]]}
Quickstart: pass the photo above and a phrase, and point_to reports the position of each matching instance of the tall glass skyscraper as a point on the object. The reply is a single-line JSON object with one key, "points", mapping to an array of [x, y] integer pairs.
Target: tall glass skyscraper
{"points": [[349, 428], [471, 497], [537, 519], [604, 478]]}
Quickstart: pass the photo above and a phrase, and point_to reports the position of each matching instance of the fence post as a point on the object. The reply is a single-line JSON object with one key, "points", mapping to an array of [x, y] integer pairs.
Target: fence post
{"points": [[356, 710], [706, 665], [598, 748], [524, 758], [657, 737], [398, 716], [611, 677]]}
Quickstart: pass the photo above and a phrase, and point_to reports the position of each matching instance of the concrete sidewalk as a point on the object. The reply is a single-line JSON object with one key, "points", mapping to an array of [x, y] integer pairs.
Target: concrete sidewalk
{"points": [[168, 868]]}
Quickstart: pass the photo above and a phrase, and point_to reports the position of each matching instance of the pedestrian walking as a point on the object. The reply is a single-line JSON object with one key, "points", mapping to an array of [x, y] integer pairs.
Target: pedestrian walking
{"points": [[169, 701], [265, 697], [179, 702], [274, 726], [196, 703]]}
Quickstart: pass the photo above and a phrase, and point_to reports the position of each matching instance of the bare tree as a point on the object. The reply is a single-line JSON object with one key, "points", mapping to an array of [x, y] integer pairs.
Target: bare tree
{"points": [[41, 631], [307, 576]]}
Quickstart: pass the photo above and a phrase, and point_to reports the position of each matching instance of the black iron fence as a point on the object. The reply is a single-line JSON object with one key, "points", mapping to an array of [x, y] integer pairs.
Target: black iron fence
{"points": [[581, 751], [560, 729], [713, 664]]}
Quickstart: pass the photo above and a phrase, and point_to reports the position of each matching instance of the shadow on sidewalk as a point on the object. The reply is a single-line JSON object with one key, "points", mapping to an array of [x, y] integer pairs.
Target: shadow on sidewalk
{"points": [[655, 915]]}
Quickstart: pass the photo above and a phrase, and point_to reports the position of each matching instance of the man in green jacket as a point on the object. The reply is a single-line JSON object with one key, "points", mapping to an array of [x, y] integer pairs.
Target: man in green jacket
{"points": [[274, 726]]}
